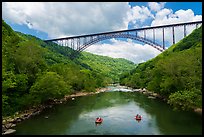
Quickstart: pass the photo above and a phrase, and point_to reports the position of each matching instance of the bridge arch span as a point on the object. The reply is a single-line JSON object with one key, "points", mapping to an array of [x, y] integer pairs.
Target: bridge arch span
{"points": [[128, 36]]}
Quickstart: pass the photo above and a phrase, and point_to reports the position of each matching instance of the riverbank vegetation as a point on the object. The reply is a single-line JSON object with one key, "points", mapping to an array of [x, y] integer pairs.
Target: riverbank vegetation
{"points": [[176, 73], [34, 72]]}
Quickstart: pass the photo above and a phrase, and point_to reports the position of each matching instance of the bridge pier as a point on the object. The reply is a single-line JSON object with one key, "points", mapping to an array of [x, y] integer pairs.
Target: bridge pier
{"points": [[173, 35], [163, 39], [72, 43], [78, 43], [144, 34], [184, 30], [153, 36]]}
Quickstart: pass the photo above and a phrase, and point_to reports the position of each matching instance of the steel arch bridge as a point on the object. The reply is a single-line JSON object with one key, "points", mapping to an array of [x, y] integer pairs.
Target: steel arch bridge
{"points": [[80, 43]]}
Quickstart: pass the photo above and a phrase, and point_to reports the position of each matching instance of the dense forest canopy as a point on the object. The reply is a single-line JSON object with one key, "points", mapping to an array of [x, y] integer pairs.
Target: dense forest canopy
{"points": [[176, 73], [34, 72]]}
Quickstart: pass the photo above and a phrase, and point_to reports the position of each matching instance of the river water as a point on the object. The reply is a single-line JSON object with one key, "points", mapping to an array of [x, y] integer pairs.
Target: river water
{"points": [[118, 109]]}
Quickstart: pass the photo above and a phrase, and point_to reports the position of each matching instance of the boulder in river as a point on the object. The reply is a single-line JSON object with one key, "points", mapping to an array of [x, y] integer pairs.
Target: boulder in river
{"points": [[151, 97], [9, 131]]}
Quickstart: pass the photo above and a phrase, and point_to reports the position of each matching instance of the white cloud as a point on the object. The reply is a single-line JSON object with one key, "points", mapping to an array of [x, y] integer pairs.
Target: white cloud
{"points": [[139, 14], [68, 18], [155, 6], [162, 14], [136, 53], [166, 16]]}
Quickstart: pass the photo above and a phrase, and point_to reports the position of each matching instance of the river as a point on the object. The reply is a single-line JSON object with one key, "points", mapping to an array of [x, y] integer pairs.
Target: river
{"points": [[118, 109]]}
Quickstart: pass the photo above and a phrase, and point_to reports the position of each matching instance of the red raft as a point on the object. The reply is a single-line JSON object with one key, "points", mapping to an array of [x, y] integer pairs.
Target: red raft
{"points": [[98, 120], [138, 117]]}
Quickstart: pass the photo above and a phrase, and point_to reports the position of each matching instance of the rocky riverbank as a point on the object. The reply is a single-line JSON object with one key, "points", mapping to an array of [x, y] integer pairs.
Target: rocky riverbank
{"points": [[153, 95], [9, 122], [150, 94]]}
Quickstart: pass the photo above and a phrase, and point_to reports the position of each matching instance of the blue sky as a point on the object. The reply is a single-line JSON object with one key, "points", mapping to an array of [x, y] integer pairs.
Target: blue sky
{"points": [[53, 20], [195, 6]]}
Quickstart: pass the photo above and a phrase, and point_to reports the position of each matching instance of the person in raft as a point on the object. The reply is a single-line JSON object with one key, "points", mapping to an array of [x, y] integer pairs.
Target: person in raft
{"points": [[138, 116], [98, 118]]}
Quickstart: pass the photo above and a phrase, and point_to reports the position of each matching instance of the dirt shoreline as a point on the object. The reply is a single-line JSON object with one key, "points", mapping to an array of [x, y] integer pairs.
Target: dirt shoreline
{"points": [[9, 122]]}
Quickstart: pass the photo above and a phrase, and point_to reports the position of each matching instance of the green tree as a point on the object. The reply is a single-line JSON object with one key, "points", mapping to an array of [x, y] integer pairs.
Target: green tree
{"points": [[49, 86], [186, 99], [29, 60]]}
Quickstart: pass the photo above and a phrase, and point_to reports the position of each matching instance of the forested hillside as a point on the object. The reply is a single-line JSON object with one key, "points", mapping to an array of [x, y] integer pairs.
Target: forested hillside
{"points": [[176, 73], [108, 66], [34, 72]]}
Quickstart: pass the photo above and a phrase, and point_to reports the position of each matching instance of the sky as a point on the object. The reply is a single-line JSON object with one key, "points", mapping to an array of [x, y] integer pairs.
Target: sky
{"points": [[48, 20]]}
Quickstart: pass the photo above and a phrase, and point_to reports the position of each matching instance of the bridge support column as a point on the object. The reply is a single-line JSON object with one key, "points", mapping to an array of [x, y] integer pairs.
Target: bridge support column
{"points": [[72, 43], [67, 43], [153, 36], [184, 30], [163, 39], [144, 34], [78, 43], [173, 35]]}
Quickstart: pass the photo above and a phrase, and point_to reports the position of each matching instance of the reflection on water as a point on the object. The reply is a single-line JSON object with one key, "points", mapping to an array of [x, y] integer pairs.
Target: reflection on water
{"points": [[118, 110]]}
